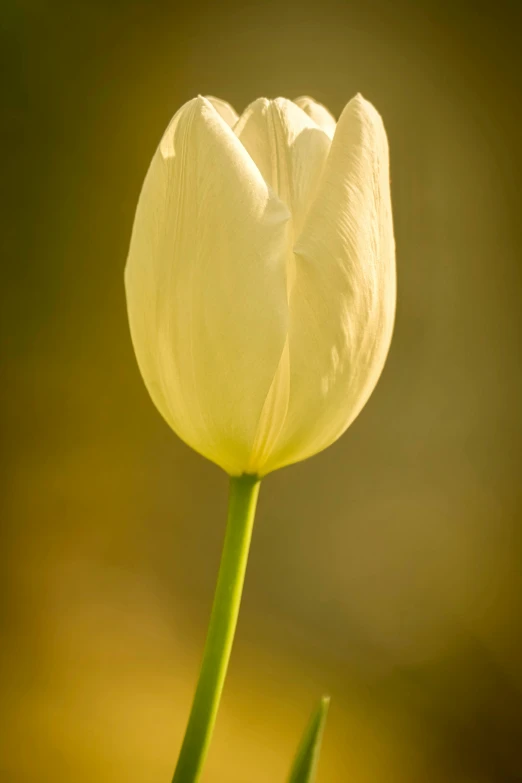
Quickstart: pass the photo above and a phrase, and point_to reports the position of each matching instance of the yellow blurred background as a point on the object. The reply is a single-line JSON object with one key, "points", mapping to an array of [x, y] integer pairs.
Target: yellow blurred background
{"points": [[387, 570]]}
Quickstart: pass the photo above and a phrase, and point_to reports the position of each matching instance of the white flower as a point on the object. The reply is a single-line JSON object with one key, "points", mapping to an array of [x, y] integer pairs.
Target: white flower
{"points": [[261, 276]]}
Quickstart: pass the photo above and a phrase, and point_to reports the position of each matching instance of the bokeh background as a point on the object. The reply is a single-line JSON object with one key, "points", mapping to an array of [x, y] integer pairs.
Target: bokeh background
{"points": [[386, 571]]}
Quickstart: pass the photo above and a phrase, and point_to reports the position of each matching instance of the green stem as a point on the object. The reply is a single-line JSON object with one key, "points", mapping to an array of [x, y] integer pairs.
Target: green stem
{"points": [[241, 511]]}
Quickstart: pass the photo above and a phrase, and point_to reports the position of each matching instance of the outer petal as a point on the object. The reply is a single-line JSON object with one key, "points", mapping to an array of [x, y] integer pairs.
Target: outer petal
{"points": [[343, 301], [206, 286], [288, 148], [227, 112], [319, 114]]}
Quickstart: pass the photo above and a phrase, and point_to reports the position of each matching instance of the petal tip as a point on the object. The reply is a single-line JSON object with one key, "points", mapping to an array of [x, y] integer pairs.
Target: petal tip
{"points": [[364, 114], [317, 112], [361, 105], [224, 109], [307, 100]]}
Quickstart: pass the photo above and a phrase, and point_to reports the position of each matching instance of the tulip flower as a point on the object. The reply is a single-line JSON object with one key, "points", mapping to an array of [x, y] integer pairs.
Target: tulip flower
{"points": [[261, 294], [261, 280]]}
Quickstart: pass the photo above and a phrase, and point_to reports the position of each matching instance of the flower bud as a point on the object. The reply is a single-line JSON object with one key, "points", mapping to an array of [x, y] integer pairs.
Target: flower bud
{"points": [[260, 279]]}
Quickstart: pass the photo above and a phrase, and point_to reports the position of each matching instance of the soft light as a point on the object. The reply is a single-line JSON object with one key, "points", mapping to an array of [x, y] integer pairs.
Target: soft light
{"points": [[261, 276]]}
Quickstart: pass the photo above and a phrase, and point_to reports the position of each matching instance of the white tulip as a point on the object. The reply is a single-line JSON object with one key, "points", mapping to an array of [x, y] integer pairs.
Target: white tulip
{"points": [[261, 276]]}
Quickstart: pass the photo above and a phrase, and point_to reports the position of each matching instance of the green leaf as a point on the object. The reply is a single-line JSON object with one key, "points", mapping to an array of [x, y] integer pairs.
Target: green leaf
{"points": [[305, 764]]}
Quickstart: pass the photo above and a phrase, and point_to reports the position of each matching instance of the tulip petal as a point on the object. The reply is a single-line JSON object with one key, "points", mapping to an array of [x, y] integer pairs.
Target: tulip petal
{"points": [[206, 286], [318, 113], [288, 148], [343, 299], [226, 111]]}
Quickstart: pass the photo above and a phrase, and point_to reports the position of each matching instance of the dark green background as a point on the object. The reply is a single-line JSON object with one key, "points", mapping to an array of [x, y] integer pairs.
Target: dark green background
{"points": [[386, 570]]}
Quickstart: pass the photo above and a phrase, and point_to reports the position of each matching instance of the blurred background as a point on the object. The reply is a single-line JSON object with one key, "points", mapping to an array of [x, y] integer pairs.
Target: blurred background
{"points": [[386, 571]]}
